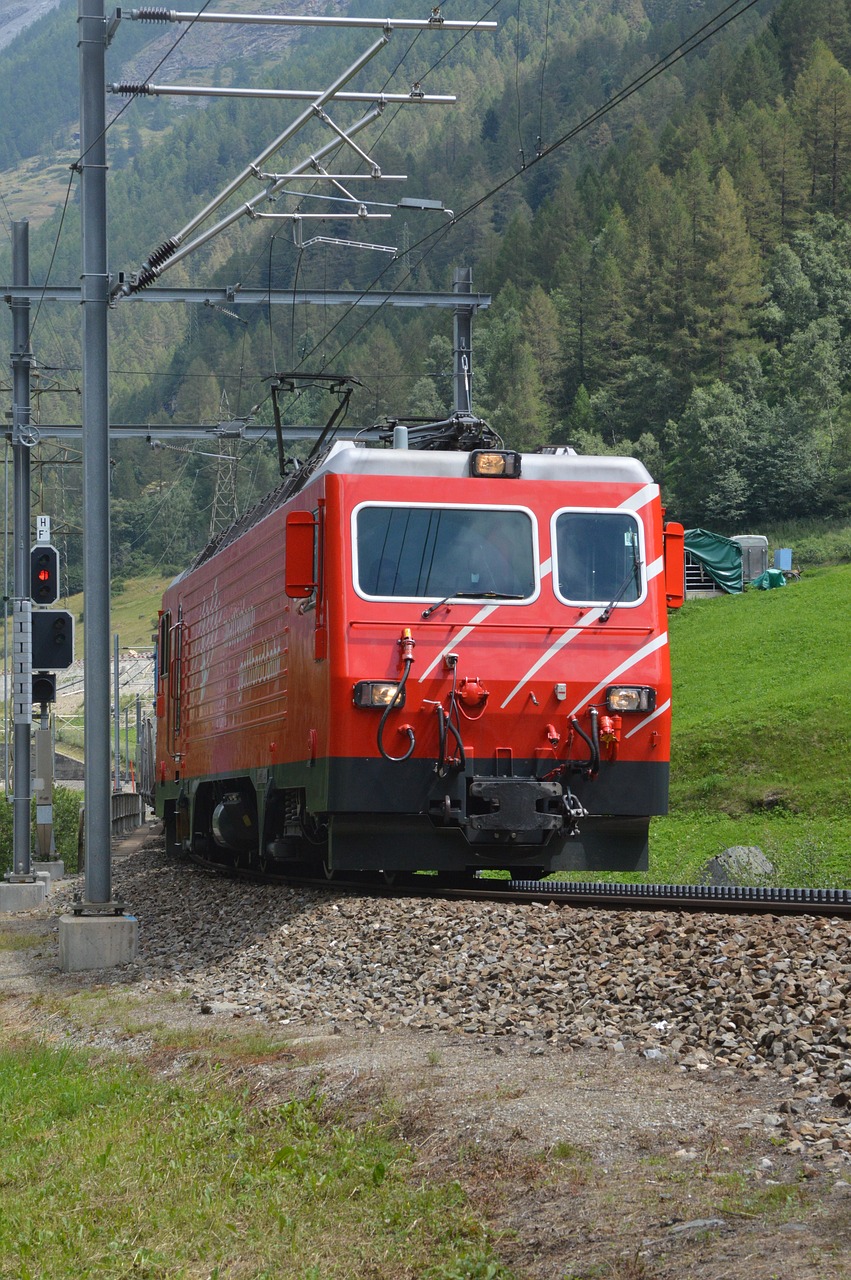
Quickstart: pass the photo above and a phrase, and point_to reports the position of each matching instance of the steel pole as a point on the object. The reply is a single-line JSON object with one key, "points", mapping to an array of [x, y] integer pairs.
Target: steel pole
{"points": [[22, 612], [462, 343], [91, 32], [116, 723], [7, 755]]}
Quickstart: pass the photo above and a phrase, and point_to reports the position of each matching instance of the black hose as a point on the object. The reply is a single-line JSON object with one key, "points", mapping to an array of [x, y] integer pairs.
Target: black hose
{"points": [[398, 698], [461, 762], [444, 722], [593, 764], [441, 740], [595, 738]]}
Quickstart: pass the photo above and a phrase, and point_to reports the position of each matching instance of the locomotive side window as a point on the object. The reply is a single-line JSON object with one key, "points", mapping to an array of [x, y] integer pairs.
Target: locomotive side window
{"points": [[597, 558], [435, 552]]}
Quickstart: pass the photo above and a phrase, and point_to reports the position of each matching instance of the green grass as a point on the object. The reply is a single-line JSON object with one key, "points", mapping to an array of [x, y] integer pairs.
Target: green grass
{"points": [[804, 852], [109, 1171], [761, 699], [761, 732], [133, 612], [19, 941]]}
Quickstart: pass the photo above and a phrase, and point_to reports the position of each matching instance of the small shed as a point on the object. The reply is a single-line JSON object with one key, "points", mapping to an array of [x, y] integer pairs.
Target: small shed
{"points": [[754, 554], [713, 564]]}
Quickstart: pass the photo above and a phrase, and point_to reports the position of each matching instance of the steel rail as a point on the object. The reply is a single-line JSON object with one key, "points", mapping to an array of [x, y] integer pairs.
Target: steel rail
{"points": [[732, 899]]}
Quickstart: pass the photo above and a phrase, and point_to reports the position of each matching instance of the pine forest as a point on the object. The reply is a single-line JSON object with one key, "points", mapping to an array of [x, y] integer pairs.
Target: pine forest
{"points": [[655, 194]]}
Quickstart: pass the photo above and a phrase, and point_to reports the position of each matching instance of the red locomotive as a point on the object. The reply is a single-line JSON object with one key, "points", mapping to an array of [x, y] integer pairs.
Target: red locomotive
{"points": [[445, 656]]}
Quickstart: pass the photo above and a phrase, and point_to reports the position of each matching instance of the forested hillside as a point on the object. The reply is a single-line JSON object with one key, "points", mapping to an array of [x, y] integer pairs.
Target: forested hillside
{"points": [[671, 267]]}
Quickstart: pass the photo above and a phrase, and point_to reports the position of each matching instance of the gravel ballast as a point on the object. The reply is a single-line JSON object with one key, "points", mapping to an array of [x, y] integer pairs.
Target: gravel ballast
{"points": [[751, 995]]}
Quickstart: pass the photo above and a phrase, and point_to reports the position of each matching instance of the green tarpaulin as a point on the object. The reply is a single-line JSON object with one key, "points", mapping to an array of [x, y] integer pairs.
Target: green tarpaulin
{"points": [[721, 558], [771, 578]]}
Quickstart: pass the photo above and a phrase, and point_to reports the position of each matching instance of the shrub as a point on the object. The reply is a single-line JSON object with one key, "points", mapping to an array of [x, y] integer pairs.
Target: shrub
{"points": [[66, 825]]}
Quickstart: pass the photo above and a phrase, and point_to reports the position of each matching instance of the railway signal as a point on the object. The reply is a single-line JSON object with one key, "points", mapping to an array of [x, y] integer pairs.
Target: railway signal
{"points": [[52, 640], [44, 574], [44, 686]]}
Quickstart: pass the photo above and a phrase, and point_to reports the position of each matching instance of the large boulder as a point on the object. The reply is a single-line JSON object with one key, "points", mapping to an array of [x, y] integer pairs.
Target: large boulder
{"points": [[740, 864]]}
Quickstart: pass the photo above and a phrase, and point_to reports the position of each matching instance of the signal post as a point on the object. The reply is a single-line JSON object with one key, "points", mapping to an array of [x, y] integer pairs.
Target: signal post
{"points": [[52, 648], [22, 888]]}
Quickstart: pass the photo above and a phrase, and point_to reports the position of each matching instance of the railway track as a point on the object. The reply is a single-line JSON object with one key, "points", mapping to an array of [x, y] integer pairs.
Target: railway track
{"points": [[744, 899]]}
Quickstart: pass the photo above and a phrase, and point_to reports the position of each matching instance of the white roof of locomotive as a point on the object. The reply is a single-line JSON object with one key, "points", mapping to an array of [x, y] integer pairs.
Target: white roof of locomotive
{"points": [[348, 457]]}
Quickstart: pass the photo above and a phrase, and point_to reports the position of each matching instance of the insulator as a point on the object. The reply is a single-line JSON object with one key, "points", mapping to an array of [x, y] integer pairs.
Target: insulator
{"points": [[129, 89], [145, 278], [152, 15], [163, 253]]}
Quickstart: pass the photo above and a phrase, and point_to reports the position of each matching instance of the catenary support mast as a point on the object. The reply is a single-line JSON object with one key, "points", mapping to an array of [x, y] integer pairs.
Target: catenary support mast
{"points": [[22, 615], [95, 298], [98, 934]]}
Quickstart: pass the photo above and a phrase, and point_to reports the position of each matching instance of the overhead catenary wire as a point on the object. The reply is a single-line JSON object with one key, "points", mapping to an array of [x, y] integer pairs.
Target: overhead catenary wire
{"points": [[730, 13], [517, 86], [78, 163], [432, 239], [76, 166], [153, 72], [540, 138]]}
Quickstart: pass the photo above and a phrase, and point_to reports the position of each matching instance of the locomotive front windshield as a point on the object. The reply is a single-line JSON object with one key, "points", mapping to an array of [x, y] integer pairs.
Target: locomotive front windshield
{"points": [[437, 552], [598, 559]]}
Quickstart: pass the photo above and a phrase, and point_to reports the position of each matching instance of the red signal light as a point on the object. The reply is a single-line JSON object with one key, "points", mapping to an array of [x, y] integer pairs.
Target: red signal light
{"points": [[44, 574]]}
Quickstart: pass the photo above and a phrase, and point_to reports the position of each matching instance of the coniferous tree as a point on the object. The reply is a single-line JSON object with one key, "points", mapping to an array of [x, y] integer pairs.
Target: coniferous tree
{"points": [[512, 395], [731, 273], [776, 140], [822, 106]]}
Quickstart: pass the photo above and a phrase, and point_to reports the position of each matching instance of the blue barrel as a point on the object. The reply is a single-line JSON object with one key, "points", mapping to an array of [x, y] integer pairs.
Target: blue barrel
{"points": [[783, 558]]}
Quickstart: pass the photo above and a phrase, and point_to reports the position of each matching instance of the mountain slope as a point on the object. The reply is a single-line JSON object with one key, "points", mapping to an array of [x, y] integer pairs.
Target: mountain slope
{"points": [[15, 17]]}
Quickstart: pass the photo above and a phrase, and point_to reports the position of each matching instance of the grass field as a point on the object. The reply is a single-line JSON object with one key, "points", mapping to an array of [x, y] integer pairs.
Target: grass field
{"points": [[133, 612], [762, 709]]}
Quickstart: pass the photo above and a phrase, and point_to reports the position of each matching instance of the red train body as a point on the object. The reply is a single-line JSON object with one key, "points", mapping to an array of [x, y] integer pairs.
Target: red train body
{"points": [[407, 665]]}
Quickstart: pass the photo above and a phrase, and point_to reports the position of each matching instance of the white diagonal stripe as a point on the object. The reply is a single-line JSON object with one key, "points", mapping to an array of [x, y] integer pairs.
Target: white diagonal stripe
{"points": [[644, 652], [634, 502], [554, 648], [649, 719]]}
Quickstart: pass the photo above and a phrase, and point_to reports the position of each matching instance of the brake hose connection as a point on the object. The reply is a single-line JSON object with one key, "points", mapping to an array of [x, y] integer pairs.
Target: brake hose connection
{"points": [[592, 766], [406, 645]]}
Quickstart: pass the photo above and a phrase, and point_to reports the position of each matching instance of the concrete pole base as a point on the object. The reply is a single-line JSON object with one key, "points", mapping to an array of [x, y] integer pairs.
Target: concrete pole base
{"points": [[97, 941], [21, 897], [54, 867]]}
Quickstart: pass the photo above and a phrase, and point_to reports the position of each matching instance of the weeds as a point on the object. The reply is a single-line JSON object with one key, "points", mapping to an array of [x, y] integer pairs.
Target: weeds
{"points": [[189, 1180], [19, 941]]}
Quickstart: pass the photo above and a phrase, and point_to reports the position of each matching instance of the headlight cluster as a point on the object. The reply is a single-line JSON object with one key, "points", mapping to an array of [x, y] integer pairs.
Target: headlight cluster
{"points": [[495, 462], [376, 693], [630, 697]]}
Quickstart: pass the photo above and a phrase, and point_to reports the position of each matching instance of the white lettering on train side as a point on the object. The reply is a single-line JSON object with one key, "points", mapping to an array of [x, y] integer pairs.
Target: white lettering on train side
{"points": [[238, 626], [260, 665]]}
